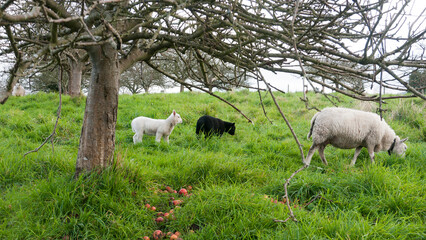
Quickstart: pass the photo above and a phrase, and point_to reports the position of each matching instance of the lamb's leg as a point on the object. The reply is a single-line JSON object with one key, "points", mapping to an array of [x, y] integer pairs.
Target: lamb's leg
{"points": [[357, 152], [321, 153], [207, 135], [158, 137], [137, 138], [166, 138], [197, 129], [311, 152]]}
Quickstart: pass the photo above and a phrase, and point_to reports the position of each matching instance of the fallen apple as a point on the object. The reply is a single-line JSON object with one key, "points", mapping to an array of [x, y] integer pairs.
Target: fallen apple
{"points": [[183, 191], [157, 234], [169, 189]]}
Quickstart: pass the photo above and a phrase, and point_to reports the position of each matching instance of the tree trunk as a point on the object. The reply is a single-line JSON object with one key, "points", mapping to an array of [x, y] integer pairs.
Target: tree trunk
{"points": [[182, 88], [75, 73], [97, 140]]}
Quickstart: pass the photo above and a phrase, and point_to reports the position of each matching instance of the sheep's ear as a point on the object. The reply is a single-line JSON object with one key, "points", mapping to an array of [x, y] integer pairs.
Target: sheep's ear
{"points": [[174, 112], [403, 140]]}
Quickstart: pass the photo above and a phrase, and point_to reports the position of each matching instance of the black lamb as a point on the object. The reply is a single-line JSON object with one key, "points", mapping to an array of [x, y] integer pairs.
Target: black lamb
{"points": [[213, 126]]}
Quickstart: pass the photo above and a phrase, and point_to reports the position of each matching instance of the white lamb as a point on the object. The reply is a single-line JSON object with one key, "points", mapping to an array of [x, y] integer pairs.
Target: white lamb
{"points": [[347, 128], [18, 90], [158, 127]]}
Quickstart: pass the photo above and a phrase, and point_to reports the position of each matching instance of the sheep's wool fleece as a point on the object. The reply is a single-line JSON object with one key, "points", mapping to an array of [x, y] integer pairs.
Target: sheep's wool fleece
{"points": [[349, 128]]}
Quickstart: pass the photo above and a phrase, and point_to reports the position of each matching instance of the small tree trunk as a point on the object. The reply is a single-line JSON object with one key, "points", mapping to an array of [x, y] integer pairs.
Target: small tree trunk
{"points": [[75, 73], [182, 88], [97, 141]]}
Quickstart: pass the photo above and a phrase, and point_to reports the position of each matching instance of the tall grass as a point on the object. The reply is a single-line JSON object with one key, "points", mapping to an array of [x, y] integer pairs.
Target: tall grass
{"points": [[230, 176]]}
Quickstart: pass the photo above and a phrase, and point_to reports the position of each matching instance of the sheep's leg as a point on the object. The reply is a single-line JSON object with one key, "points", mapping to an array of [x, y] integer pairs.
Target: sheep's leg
{"points": [[158, 137], [357, 152], [321, 153], [311, 152], [371, 153], [166, 138], [137, 138]]}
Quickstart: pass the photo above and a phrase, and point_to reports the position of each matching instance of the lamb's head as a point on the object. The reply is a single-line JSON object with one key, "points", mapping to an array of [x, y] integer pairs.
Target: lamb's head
{"points": [[175, 118], [230, 128], [398, 147]]}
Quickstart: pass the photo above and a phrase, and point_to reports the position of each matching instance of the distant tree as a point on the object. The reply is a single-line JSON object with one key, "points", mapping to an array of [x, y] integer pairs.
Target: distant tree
{"points": [[418, 80], [142, 77], [340, 78], [73, 76], [202, 70], [47, 81], [75, 67]]}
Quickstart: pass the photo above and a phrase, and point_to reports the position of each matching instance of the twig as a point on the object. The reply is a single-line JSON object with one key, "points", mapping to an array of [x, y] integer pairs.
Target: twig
{"points": [[199, 88], [279, 90], [306, 101], [301, 153], [409, 88], [282, 115], [57, 119], [315, 198], [287, 182], [261, 101]]}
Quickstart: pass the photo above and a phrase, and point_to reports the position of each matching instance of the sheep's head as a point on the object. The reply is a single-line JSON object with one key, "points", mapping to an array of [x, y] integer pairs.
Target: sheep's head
{"points": [[398, 147], [176, 118]]}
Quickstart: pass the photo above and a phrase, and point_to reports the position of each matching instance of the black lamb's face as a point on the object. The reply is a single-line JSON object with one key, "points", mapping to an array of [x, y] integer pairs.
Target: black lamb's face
{"points": [[232, 129]]}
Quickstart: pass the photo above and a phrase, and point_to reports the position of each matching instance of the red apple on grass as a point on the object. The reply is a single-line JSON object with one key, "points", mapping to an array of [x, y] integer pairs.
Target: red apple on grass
{"points": [[157, 234], [159, 220], [183, 191]]}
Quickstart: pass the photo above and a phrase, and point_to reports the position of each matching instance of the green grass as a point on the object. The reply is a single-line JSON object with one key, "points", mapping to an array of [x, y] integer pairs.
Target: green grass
{"points": [[230, 176]]}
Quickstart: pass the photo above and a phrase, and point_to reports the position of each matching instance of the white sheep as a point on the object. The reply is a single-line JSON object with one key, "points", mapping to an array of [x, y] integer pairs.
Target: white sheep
{"points": [[158, 127], [18, 90], [348, 128]]}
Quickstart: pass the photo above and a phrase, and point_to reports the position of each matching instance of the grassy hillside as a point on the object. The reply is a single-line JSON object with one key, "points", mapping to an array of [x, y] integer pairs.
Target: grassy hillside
{"points": [[234, 179]]}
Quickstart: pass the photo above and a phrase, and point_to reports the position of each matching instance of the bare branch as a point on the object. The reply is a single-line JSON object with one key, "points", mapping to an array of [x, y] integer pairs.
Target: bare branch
{"points": [[411, 89], [287, 182], [58, 116], [261, 102], [35, 12], [196, 87]]}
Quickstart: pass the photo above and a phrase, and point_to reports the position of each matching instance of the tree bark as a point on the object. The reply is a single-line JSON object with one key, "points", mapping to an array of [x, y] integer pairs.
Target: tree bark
{"points": [[97, 140], [75, 73]]}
